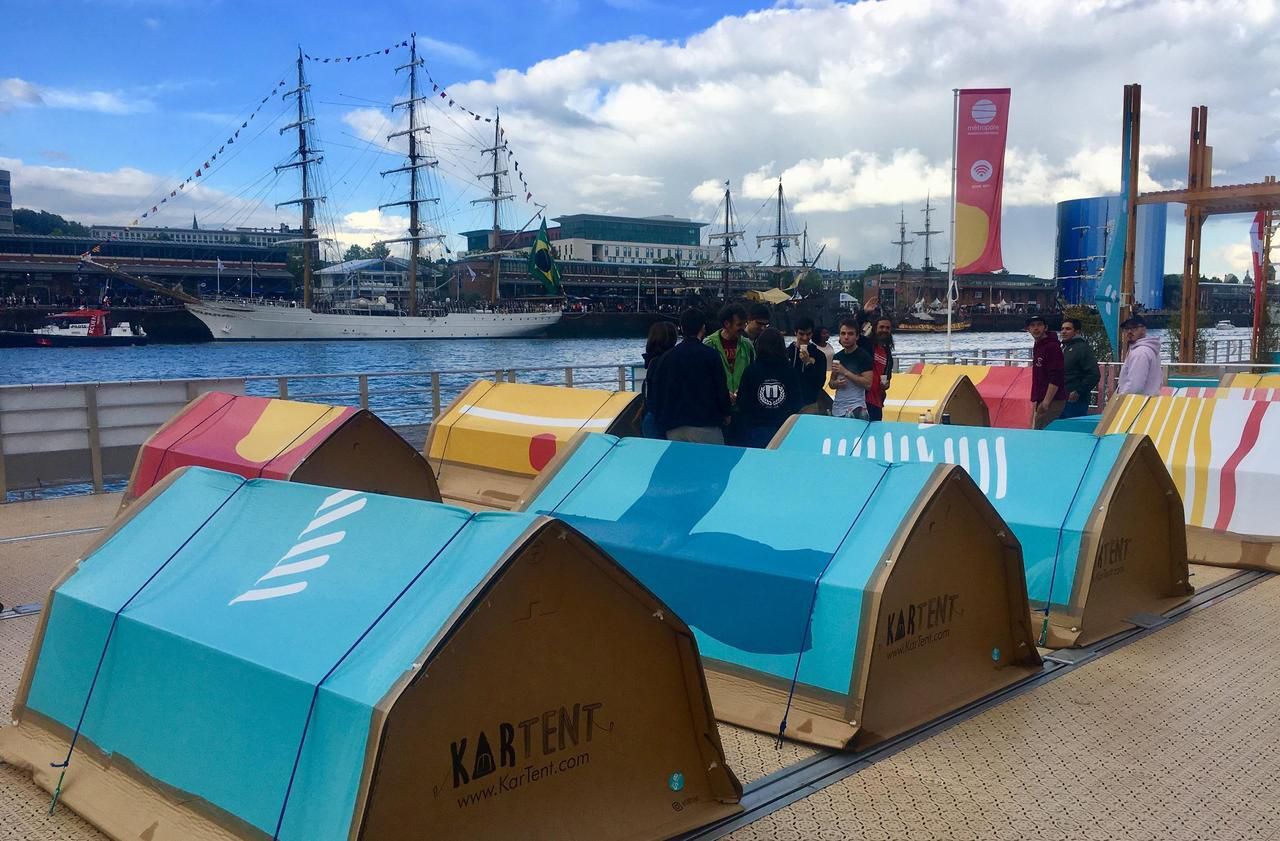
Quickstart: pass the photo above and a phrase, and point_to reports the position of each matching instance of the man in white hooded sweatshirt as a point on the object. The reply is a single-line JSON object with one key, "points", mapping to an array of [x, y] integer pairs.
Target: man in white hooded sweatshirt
{"points": [[1142, 372]]}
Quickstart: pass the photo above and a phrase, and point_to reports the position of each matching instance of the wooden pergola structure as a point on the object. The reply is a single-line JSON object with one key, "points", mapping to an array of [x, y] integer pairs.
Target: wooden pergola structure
{"points": [[1203, 200]]}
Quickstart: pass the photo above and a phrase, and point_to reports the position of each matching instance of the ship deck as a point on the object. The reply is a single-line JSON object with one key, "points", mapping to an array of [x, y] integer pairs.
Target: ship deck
{"points": [[1168, 731]]}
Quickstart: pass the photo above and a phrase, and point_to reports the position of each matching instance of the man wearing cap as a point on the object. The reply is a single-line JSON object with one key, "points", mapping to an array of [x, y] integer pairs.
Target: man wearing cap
{"points": [[1048, 374], [1142, 372]]}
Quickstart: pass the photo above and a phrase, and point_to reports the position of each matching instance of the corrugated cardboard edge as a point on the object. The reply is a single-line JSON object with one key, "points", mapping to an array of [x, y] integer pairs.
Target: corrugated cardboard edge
{"points": [[963, 389], [128, 497], [1076, 627], [562, 456], [1025, 664], [1231, 549], [730, 789], [408, 451]]}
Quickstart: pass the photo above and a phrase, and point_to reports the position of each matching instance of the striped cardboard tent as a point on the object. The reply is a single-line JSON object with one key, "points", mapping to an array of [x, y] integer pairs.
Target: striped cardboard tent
{"points": [[917, 397], [495, 438], [1245, 380], [1099, 520], [1006, 389], [1224, 456], [830, 623], [1224, 392], [260, 437], [251, 659]]}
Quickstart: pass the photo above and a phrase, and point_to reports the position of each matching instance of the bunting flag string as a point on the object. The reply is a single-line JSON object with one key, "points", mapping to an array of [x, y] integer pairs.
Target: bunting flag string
{"points": [[200, 172], [437, 88], [351, 58]]}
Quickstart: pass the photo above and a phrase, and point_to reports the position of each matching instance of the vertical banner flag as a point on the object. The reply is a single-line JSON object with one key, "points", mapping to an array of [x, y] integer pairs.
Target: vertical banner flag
{"points": [[1256, 235], [981, 126], [542, 262], [1107, 296]]}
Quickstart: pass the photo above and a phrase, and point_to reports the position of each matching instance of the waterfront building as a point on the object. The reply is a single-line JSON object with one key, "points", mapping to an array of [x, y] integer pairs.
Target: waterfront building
{"points": [[195, 235], [600, 238], [977, 293], [1085, 229], [6, 202]]}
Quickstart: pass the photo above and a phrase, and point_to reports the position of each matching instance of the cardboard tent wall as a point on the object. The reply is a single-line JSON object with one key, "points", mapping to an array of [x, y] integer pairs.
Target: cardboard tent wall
{"points": [[1224, 392], [837, 621], [1099, 519], [913, 397], [297, 662], [1224, 456], [1006, 389], [259, 437], [1243, 380], [492, 441]]}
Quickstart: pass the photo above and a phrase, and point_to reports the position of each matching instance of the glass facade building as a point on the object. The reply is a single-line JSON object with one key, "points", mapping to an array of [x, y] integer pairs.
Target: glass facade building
{"points": [[1085, 228]]}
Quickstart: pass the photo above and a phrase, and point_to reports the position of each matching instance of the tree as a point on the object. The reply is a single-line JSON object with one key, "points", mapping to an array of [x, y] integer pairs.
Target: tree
{"points": [[380, 250], [876, 268], [355, 252], [44, 223]]}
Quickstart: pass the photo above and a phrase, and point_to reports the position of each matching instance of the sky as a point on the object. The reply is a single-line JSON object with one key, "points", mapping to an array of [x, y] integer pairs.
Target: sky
{"points": [[636, 107]]}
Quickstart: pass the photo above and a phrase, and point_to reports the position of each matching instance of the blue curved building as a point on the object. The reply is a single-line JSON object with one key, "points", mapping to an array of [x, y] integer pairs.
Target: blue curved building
{"points": [[1084, 232]]}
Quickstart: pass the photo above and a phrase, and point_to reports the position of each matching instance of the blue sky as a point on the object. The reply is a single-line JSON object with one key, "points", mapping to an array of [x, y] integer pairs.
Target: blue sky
{"points": [[637, 106]]}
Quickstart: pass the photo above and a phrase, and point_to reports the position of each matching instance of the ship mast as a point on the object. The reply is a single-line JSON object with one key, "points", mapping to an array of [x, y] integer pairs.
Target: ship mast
{"points": [[780, 238], [417, 161], [902, 242], [928, 231], [729, 237], [496, 196], [306, 157]]}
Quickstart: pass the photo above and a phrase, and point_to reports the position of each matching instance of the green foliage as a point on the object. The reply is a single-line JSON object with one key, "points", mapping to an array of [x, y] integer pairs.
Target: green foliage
{"points": [[1174, 334], [380, 250], [44, 223], [875, 268], [356, 252], [810, 282], [1094, 331]]}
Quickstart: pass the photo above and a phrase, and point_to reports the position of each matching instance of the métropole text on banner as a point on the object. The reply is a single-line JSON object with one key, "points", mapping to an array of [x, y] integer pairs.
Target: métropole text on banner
{"points": [[982, 122], [542, 261]]}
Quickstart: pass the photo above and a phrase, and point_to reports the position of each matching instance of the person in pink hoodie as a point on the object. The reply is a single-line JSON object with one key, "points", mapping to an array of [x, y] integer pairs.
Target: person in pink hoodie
{"points": [[1143, 371]]}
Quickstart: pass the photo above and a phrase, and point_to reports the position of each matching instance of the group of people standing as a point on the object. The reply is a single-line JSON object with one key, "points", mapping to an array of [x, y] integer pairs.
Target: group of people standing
{"points": [[1065, 372], [741, 383]]}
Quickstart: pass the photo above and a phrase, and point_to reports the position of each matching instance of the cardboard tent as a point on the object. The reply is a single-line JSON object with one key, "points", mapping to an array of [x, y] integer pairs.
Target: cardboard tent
{"points": [[1224, 456], [916, 397], [1243, 380], [492, 441], [1099, 519], [1006, 389], [894, 602], [258, 437], [297, 662], [1224, 392]]}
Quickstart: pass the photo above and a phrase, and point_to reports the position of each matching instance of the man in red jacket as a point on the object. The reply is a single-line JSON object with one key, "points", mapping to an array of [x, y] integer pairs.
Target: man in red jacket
{"points": [[1048, 374]]}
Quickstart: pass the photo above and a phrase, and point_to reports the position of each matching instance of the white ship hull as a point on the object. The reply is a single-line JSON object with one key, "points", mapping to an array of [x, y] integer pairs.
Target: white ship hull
{"points": [[236, 322]]}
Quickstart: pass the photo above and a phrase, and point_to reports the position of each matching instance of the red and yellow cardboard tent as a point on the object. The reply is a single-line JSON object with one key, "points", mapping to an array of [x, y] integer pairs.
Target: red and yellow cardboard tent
{"points": [[433, 674], [260, 437], [1224, 457], [495, 438], [1243, 380], [1006, 389]]}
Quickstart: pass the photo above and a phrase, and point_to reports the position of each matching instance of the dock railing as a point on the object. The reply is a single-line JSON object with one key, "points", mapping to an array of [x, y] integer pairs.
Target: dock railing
{"points": [[73, 437]]}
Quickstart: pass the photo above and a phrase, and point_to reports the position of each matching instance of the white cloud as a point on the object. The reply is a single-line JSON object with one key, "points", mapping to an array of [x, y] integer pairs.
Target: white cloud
{"points": [[452, 53], [850, 104], [151, 23], [20, 93]]}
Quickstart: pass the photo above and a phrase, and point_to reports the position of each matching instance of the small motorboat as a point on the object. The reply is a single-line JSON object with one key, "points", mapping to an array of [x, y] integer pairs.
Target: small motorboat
{"points": [[1224, 325], [77, 328]]}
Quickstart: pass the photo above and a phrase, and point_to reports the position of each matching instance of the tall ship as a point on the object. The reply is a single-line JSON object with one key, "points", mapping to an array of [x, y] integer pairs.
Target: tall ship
{"points": [[337, 313]]}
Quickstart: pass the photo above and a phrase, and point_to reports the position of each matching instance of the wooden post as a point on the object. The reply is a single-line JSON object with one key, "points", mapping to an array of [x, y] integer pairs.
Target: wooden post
{"points": [[95, 436], [1133, 120], [1191, 239]]}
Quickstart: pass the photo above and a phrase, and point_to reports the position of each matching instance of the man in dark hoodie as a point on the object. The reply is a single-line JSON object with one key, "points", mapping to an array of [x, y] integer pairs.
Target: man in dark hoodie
{"points": [[811, 364], [1081, 369], [687, 390], [1048, 386]]}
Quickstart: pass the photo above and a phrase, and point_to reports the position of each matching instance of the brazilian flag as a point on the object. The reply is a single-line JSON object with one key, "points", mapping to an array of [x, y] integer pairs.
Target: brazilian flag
{"points": [[542, 263]]}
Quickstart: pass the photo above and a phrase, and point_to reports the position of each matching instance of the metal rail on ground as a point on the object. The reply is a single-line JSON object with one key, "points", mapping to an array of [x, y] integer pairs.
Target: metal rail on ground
{"points": [[783, 787]]}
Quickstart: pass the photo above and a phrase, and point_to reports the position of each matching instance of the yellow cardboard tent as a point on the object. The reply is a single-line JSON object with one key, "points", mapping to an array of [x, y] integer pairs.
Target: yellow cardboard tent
{"points": [[496, 438], [912, 397]]}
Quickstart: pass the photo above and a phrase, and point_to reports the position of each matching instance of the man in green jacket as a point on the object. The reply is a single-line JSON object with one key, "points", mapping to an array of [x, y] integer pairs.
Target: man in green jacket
{"points": [[1081, 369], [735, 349]]}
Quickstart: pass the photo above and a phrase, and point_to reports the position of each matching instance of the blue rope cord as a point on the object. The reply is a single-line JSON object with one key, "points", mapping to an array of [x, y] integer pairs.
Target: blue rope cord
{"points": [[813, 601], [75, 736], [315, 695], [1062, 527]]}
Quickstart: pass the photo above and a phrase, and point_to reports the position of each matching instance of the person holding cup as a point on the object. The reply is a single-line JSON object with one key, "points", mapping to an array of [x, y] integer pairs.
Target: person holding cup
{"points": [[879, 346], [850, 374]]}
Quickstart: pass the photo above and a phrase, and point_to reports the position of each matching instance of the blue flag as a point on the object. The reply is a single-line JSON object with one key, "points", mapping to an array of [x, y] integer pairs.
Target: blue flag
{"points": [[1107, 296]]}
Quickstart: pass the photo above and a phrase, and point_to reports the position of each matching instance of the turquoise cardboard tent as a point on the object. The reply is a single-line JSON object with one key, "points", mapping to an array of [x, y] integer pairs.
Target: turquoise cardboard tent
{"points": [[260, 659], [833, 611], [1099, 519]]}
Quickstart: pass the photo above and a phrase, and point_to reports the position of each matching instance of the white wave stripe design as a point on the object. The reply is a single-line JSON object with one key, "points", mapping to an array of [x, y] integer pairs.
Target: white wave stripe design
{"points": [[326, 514], [991, 471], [469, 410]]}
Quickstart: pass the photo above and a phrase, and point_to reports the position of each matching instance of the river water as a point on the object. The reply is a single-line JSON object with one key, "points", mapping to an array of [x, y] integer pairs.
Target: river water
{"points": [[238, 359]]}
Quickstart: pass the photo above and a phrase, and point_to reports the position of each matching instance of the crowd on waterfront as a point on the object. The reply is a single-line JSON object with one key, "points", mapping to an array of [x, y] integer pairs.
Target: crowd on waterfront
{"points": [[739, 384]]}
